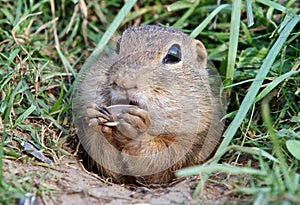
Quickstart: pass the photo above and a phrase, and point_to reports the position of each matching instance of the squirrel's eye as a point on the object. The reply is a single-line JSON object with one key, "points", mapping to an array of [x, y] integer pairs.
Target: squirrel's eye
{"points": [[173, 55], [118, 45]]}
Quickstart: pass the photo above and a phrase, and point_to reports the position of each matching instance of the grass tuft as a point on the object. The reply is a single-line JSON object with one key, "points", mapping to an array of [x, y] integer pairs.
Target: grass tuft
{"points": [[254, 44]]}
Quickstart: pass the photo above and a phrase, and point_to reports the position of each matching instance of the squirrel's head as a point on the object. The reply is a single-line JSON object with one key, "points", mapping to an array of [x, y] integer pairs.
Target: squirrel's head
{"points": [[159, 69], [156, 58]]}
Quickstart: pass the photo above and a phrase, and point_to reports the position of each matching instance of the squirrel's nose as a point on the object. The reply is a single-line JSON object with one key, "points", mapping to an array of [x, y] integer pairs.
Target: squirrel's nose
{"points": [[126, 94], [125, 81]]}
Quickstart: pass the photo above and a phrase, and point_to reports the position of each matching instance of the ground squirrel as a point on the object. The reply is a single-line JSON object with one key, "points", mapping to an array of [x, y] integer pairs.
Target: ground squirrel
{"points": [[168, 117]]}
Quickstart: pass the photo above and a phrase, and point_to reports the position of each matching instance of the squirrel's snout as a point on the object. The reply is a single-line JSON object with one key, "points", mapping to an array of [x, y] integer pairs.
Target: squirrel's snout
{"points": [[124, 92], [125, 81]]}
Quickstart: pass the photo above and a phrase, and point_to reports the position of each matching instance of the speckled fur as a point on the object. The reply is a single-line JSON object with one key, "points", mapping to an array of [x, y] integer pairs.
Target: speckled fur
{"points": [[184, 117]]}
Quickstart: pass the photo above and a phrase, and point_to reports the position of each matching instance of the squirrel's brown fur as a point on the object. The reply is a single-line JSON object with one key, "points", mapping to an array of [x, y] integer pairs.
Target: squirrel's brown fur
{"points": [[176, 121]]}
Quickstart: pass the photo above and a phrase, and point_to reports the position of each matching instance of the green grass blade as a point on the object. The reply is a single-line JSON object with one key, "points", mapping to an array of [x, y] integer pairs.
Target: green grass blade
{"points": [[250, 18], [58, 104], [106, 37], [233, 39], [273, 84], [274, 5], [239, 83], [24, 115], [8, 15], [65, 62], [265, 108], [1, 164], [49, 117], [255, 86], [178, 5], [18, 13], [180, 22], [254, 151], [214, 168], [9, 100], [254, 190], [31, 99], [207, 20], [10, 106], [286, 19]]}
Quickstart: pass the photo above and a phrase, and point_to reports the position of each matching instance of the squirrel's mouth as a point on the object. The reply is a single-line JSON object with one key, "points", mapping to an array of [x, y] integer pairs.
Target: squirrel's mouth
{"points": [[127, 101], [136, 103], [124, 101], [121, 96]]}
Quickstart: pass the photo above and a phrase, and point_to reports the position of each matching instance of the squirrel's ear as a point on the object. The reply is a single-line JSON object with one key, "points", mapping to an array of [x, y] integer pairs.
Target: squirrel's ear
{"points": [[115, 42], [118, 45], [201, 54]]}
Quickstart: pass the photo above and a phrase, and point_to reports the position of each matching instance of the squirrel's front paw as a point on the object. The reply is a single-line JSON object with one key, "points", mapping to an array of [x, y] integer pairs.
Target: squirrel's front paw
{"points": [[133, 122], [97, 116]]}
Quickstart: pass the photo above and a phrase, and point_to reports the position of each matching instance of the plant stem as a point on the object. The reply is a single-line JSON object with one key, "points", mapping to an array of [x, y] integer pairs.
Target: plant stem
{"points": [[265, 108]]}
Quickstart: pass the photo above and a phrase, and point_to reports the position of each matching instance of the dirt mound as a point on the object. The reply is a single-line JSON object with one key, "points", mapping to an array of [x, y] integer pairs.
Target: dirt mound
{"points": [[67, 182]]}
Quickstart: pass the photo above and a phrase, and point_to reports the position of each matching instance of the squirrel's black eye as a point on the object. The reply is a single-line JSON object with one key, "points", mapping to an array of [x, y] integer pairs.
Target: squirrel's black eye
{"points": [[173, 55], [118, 45]]}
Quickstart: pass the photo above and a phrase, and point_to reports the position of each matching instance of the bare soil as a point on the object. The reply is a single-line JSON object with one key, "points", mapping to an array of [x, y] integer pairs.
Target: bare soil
{"points": [[67, 182]]}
